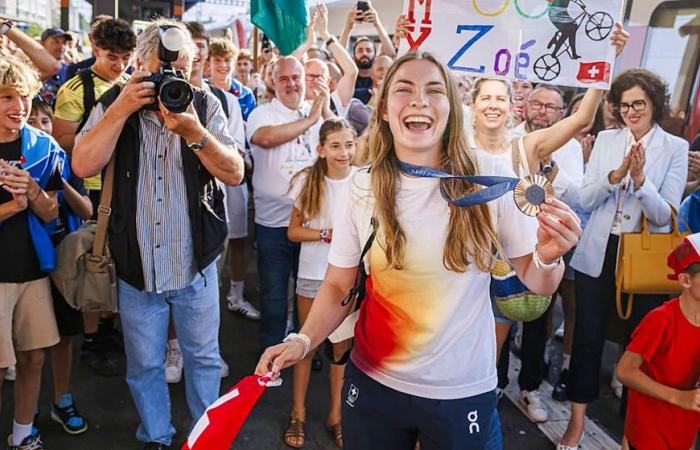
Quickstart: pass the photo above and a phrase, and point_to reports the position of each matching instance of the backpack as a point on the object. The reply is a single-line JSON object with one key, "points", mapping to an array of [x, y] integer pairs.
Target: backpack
{"points": [[221, 95], [89, 99]]}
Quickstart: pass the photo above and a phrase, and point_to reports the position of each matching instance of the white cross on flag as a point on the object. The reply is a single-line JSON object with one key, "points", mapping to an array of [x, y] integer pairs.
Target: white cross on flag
{"points": [[221, 422], [593, 72]]}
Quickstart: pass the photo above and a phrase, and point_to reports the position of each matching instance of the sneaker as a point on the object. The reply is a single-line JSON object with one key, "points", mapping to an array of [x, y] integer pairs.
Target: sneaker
{"points": [[224, 367], [11, 373], [535, 410], [615, 384], [68, 416], [317, 363], [173, 365], [32, 442], [99, 362], [155, 446], [110, 338], [560, 332], [243, 307], [559, 389]]}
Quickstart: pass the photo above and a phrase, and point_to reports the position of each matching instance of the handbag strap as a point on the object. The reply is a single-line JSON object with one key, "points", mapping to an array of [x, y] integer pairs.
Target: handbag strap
{"points": [[104, 210]]}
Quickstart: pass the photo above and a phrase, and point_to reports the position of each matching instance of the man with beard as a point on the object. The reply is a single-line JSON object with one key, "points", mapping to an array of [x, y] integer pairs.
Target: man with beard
{"points": [[364, 52], [283, 136], [564, 170]]}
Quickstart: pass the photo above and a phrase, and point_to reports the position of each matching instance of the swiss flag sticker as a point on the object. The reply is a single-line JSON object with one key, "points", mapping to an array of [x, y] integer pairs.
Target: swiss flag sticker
{"points": [[593, 72]]}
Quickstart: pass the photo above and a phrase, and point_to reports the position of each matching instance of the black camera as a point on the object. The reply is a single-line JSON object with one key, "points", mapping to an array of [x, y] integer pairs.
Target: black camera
{"points": [[171, 85]]}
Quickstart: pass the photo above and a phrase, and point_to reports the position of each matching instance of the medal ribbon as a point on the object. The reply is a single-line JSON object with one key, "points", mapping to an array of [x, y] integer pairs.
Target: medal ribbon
{"points": [[494, 187]]}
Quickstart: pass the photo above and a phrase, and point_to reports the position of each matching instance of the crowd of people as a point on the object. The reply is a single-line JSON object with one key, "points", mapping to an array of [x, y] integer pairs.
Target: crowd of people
{"points": [[358, 164]]}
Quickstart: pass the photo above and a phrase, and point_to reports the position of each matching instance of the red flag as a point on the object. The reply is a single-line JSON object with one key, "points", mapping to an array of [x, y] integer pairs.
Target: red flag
{"points": [[221, 422], [593, 72]]}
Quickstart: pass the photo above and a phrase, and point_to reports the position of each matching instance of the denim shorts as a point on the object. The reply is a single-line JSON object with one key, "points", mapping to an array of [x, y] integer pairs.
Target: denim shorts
{"points": [[308, 288], [376, 417]]}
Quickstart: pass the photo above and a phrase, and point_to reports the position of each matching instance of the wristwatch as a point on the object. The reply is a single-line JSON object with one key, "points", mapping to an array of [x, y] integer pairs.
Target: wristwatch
{"points": [[5, 26], [325, 236], [331, 40], [197, 146], [547, 168]]}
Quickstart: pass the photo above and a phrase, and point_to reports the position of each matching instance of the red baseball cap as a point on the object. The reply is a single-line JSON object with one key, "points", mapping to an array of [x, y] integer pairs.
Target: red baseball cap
{"points": [[685, 254]]}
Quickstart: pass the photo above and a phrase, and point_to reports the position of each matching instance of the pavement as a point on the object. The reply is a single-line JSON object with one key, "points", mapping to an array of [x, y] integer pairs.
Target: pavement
{"points": [[112, 418]]}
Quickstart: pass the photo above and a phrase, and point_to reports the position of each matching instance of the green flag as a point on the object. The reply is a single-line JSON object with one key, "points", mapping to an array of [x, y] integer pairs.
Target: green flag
{"points": [[283, 21]]}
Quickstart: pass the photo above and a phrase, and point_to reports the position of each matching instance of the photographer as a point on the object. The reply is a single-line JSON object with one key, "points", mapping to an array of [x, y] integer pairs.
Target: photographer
{"points": [[165, 254]]}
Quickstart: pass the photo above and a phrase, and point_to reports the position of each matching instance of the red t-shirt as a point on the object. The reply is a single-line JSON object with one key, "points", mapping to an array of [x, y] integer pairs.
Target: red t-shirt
{"points": [[670, 346]]}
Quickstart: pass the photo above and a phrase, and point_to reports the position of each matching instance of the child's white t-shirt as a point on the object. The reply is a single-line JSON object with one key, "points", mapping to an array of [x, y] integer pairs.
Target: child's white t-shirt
{"points": [[313, 257]]}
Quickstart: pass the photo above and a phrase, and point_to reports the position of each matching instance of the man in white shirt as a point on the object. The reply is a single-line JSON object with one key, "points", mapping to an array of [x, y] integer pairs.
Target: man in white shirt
{"points": [[283, 137], [544, 108]]}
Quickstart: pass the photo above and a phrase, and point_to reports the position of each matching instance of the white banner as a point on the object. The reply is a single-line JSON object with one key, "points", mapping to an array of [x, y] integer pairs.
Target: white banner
{"points": [[564, 42]]}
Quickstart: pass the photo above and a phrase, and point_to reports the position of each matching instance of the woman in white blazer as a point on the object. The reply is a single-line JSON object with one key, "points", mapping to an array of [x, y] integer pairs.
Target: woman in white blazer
{"points": [[633, 171]]}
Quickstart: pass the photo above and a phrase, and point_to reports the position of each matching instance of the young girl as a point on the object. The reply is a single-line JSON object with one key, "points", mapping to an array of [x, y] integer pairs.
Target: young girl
{"points": [[424, 360], [315, 190]]}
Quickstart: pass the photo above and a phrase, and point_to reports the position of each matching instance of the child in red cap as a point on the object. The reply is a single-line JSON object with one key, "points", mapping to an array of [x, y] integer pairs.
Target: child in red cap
{"points": [[661, 366]]}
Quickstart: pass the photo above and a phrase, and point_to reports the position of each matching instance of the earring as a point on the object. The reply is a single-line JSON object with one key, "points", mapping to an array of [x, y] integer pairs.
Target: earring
{"points": [[385, 117], [474, 126]]}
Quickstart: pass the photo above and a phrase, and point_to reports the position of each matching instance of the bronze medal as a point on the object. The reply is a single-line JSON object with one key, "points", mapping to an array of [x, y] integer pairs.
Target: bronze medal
{"points": [[530, 192]]}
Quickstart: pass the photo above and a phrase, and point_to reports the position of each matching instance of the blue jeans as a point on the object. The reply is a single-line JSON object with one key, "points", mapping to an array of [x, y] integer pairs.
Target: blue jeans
{"points": [[278, 258], [376, 417], [145, 317]]}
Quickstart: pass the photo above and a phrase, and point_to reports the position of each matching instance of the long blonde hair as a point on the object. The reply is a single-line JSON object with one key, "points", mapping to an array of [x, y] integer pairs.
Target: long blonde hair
{"points": [[312, 193], [471, 237]]}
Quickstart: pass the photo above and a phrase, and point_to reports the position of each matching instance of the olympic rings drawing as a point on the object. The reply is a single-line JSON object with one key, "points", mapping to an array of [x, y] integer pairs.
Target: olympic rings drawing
{"points": [[518, 8], [490, 13], [529, 16]]}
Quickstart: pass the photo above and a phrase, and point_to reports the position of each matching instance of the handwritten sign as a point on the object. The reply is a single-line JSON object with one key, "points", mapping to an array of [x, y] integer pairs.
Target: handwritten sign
{"points": [[564, 42]]}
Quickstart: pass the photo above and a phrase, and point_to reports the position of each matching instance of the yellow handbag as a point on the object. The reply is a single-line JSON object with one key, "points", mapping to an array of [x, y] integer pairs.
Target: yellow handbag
{"points": [[641, 264]]}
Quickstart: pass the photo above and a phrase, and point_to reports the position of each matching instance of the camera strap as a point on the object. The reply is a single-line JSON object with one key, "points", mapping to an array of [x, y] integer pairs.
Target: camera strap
{"points": [[495, 187]]}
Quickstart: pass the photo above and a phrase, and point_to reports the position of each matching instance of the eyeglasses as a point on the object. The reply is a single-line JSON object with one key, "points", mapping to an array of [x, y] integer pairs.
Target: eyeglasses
{"points": [[313, 77], [637, 106], [550, 108]]}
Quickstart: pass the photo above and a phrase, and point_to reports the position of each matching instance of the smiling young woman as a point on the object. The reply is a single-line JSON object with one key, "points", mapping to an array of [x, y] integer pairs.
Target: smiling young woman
{"points": [[423, 365]]}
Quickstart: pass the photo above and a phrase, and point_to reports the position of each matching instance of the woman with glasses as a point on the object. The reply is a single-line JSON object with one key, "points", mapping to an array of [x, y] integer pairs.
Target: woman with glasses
{"points": [[637, 170]]}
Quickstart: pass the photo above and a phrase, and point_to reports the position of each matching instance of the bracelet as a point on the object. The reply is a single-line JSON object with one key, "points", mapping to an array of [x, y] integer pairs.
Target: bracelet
{"points": [[331, 40], [540, 265], [300, 337], [325, 235], [38, 193]]}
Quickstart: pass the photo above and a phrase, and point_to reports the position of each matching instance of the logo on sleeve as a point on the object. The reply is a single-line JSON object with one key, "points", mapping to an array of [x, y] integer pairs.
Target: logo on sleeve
{"points": [[353, 393]]}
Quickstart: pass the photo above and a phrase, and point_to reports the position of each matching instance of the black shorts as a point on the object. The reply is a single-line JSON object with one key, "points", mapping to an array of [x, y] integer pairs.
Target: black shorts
{"points": [[69, 320], [376, 417]]}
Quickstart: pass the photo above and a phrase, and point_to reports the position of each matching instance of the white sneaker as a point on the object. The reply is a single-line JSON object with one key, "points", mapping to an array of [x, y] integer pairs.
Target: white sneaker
{"points": [[173, 365], [243, 307], [560, 331], [535, 410], [11, 373], [615, 383], [224, 367]]}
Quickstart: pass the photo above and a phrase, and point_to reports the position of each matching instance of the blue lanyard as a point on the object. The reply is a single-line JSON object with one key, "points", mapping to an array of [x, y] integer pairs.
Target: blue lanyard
{"points": [[495, 187]]}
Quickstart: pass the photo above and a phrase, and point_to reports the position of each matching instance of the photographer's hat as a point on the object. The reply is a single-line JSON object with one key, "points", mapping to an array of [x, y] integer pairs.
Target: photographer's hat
{"points": [[685, 254], [55, 32]]}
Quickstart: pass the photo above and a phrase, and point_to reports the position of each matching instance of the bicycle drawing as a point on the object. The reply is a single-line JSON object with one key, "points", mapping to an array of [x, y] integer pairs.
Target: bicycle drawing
{"points": [[597, 26]]}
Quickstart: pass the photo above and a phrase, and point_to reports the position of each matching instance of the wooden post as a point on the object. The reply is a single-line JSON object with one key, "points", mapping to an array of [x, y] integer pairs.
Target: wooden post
{"points": [[255, 48], [65, 14]]}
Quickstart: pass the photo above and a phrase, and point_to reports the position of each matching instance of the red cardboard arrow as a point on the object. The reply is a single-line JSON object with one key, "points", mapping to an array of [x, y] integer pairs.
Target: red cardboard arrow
{"points": [[416, 43]]}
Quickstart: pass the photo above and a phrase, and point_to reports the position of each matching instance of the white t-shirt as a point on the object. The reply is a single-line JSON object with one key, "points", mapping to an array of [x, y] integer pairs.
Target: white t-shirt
{"points": [[424, 330], [274, 167], [313, 257], [342, 111]]}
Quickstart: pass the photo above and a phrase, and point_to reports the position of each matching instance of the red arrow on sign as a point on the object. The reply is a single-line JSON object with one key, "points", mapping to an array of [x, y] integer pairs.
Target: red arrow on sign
{"points": [[416, 43]]}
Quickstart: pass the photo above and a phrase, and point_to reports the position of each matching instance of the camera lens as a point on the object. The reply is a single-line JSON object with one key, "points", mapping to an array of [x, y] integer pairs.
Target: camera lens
{"points": [[176, 94]]}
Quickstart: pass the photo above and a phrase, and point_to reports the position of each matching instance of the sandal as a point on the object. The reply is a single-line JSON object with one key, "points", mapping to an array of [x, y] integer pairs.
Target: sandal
{"points": [[294, 434], [336, 432]]}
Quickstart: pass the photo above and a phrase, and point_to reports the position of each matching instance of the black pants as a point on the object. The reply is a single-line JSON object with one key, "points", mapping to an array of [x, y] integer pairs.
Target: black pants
{"points": [[534, 343], [595, 301], [376, 417]]}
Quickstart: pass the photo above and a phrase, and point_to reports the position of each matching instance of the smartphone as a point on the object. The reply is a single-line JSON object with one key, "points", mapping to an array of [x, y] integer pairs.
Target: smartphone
{"points": [[362, 6]]}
